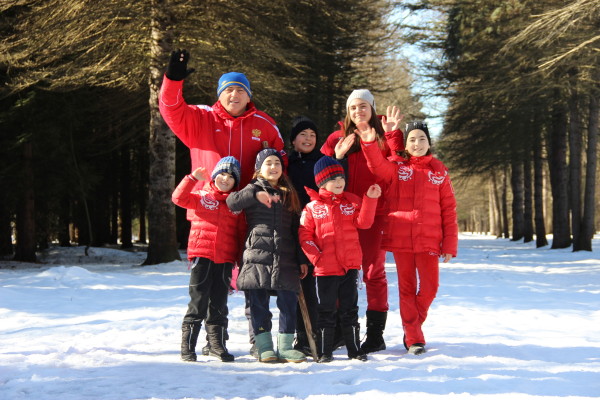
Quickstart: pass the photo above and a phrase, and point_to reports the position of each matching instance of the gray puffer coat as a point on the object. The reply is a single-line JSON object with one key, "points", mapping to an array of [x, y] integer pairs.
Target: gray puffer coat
{"points": [[272, 253]]}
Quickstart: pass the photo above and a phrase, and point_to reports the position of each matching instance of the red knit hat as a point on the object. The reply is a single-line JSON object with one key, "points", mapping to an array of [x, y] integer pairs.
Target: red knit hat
{"points": [[327, 169]]}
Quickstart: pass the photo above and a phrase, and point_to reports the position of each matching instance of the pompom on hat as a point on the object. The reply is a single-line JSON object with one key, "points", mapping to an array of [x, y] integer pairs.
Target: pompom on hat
{"points": [[411, 126], [301, 123], [229, 165], [363, 94], [262, 156], [233, 78], [327, 169]]}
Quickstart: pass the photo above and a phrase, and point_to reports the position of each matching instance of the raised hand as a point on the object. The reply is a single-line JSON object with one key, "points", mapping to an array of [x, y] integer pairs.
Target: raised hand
{"points": [[343, 145], [374, 191], [201, 174], [366, 133], [391, 121], [177, 69]]}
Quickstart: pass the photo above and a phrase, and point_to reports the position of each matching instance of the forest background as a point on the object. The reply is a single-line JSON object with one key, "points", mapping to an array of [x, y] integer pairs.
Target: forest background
{"points": [[87, 159]]}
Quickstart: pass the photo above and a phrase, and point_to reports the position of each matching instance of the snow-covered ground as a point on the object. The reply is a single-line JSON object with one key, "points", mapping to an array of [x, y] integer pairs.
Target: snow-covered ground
{"points": [[510, 322]]}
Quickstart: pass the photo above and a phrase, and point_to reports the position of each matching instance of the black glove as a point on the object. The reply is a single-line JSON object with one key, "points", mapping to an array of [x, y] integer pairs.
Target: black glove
{"points": [[177, 69]]}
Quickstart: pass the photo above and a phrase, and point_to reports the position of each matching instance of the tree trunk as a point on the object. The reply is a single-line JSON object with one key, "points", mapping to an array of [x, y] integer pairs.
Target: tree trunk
{"points": [[559, 177], [125, 197], [497, 211], [161, 211], [505, 205], [575, 154], [516, 183], [26, 244], [527, 201], [587, 223], [6, 246], [538, 191]]}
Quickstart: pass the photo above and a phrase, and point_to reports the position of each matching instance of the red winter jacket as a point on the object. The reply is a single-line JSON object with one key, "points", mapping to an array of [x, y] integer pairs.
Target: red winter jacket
{"points": [[211, 133], [216, 232], [359, 177], [328, 230], [422, 206]]}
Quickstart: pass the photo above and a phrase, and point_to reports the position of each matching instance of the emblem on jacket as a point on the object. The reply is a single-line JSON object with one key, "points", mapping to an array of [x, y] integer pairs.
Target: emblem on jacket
{"points": [[209, 202], [256, 132], [319, 211], [347, 209], [436, 178], [405, 173]]}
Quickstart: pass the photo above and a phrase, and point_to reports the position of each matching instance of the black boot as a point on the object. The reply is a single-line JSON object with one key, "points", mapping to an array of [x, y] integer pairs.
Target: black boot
{"points": [[352, 339], [189, 337], [216, 339], [301, 343], [375, 326], [325, 344]]}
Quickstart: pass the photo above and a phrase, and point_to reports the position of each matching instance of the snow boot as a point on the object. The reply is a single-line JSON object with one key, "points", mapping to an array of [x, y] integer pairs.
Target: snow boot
{"points": [[285, 350], [325, 340], [417, 349], [375, 326], [301, 343], [352, 339], [264, 344], [216, 338], [189, 338]]}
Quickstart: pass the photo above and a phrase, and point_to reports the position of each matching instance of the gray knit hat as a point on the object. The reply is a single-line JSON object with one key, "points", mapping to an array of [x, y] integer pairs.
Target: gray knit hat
{"points": [[229, 165], [363, 94]]}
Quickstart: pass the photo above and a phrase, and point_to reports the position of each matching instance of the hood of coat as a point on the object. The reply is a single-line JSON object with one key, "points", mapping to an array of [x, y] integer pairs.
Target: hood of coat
{"points": [[222, 112]]}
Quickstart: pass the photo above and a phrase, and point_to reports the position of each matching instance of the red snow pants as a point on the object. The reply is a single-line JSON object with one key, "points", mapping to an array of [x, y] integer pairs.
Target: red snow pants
{"points": [[373, 265], [418, 281]]}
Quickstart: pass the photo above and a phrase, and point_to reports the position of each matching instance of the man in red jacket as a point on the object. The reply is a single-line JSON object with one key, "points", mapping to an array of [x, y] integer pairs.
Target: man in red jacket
{"points": [[233, 126]]}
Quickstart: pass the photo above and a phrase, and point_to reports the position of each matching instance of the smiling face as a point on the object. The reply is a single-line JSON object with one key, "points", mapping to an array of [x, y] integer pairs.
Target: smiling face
{"points": [[271, 169], [305, 141], [224, 182], [335, 186], [234, 99], [359, 111], [417, 143]]}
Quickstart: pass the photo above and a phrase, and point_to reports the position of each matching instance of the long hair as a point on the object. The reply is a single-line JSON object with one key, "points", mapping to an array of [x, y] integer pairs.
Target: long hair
{"points": [[374, 122], [290, 196]]}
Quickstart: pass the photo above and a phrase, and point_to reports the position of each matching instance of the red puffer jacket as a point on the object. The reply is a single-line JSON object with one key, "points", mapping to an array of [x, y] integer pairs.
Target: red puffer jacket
{"points": [[359, 177], [422, 206], [211, 133], [328, 230], [216, 232]]}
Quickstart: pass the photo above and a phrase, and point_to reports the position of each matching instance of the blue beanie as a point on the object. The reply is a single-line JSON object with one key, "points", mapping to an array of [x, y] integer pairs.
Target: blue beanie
{"points": [[327, 169], [263, 154], [229, 165], [233, 78]]}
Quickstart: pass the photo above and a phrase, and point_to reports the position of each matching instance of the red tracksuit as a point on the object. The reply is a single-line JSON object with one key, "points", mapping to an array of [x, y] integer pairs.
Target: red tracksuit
{"points": [[421, 226]]}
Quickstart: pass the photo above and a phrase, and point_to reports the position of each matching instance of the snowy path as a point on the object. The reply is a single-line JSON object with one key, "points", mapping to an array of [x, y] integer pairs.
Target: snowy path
{"points": [[510, 322]]}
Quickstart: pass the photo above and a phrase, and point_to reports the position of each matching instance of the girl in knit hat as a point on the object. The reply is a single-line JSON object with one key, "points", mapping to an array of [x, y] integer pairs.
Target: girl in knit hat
{"points": [[344, 145], [422, 224], [272, 260], [213, 248], [329, 237]]}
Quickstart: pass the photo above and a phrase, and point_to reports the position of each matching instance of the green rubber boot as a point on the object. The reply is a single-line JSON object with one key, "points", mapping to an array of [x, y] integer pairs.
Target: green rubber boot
{"points": [[285, 349], [264, 342]]}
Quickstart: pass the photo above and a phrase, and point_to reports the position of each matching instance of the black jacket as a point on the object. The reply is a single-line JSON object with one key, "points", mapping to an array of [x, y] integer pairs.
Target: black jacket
{"points": [[301, 169], [272, 253]]}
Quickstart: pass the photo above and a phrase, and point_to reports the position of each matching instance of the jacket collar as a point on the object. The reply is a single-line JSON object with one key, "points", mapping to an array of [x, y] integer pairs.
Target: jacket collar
{"points": [[221, 112]]}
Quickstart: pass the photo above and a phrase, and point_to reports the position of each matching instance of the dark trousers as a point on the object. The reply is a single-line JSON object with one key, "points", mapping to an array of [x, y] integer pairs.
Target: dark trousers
{"points": [[260, 315], [310, 295], [209, 288], [337, 294]]}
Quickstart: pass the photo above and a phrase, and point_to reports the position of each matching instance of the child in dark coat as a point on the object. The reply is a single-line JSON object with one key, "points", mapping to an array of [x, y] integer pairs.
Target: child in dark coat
{"points": [[213, 249], [329, 237], [272, 260]]}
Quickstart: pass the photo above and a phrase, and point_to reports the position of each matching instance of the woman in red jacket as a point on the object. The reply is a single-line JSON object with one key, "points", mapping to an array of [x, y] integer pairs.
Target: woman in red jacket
{"points": [[421, 225], [329, 237], [345, 146], [214, 246]]}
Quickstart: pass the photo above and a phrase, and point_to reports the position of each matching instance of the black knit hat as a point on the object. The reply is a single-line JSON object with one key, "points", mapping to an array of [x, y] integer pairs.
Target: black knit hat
{"points": [[263, 154], [411, 126], [301, 123]]}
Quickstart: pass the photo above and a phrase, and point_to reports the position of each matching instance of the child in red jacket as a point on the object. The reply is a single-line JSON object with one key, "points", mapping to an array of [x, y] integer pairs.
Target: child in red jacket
{"points": [[329, 237], [213, 248], [421, 226]]}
